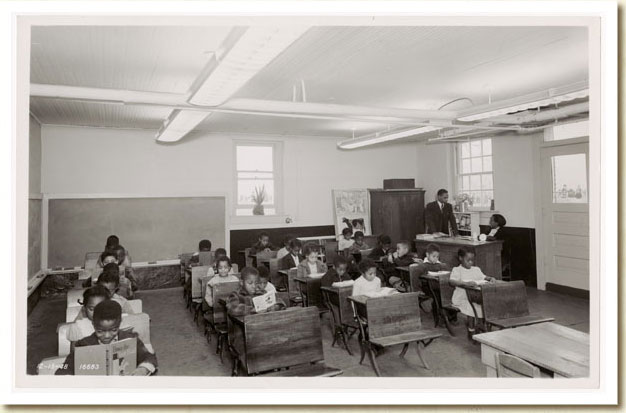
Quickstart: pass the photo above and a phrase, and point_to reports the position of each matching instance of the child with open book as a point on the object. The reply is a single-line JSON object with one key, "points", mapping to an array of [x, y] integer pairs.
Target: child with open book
{"points": [[431, 264], [467, 275], [224, 275], [82, 325], [241, 302], [338, 273], [368, 282], [107, 317], [311, 265]]}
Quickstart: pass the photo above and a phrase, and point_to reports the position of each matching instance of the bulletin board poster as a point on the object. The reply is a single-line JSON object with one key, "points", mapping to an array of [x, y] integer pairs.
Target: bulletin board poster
{"points": [[352, 210]]}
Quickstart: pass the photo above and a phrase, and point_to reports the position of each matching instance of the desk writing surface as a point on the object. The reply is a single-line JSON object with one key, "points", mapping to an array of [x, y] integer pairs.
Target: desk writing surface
{"points": [[554, 347]]}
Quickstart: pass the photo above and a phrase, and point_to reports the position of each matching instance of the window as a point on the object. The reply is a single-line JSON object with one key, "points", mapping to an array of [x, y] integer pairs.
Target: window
{"points": [[257, 186], [475, 172], [567, 131], [569, 179]]}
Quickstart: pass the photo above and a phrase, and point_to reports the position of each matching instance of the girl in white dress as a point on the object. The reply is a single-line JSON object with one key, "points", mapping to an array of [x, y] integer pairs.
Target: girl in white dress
{"points": [[467, 275]]}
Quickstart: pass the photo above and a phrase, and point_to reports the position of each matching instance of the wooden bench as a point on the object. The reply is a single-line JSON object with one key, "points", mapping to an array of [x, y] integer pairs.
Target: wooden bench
{"points": [[505, 305], [439, 289], [289, 339], [388, 321], [215, 317], [342, 319]]}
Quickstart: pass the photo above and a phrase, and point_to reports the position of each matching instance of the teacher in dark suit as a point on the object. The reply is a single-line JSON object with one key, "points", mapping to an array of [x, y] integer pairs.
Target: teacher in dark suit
{"points": [[439, 214]]}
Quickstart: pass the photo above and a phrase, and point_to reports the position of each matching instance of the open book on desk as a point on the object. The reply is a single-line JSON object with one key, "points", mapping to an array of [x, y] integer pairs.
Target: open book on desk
{"points": [[438, 273], [347, 283], [113, 359], [385, 291], [263, 302]]}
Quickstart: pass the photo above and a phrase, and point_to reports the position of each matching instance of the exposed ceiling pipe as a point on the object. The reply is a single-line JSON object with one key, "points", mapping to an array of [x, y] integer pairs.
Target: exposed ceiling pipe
{"points": [[543, 115]]}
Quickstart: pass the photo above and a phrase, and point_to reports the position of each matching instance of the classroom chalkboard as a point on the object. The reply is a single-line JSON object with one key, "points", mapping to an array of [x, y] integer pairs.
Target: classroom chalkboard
{"points": [[150, 228]]}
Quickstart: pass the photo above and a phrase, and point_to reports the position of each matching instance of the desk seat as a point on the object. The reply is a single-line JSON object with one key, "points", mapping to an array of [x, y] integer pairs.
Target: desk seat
{"points": [[420, 335], [519, 321], [307, 370]]}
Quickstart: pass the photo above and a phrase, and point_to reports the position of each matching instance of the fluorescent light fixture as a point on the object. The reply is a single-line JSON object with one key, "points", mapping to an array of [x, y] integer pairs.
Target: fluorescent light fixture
{"points": [[180, 123], [254, 50], [372, 140], [533, 101]]}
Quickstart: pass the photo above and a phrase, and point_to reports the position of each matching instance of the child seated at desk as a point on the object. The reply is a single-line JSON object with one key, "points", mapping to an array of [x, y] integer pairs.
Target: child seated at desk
{"points": [[284, 251], [311, 265], [263, 244], [467, 275], [345, 240], [224, 275], [293, 259], [219, 253], [338, 273], [203, 246], [240, 302], [359, 243], [368, 282], [382, 249], [111, 257], [82, 325], [107, 317], [264, 280], [110, 279], [402, 257]]}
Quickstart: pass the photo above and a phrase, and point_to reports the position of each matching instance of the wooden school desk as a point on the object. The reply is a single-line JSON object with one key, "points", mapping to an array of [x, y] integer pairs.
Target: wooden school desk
{"points": [[405, 277], [439, 289], [562, 351], [312, 292], [488, 253]]}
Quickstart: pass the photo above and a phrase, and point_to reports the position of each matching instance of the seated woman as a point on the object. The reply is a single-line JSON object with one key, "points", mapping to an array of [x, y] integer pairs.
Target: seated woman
{"points": [[497, 223]]}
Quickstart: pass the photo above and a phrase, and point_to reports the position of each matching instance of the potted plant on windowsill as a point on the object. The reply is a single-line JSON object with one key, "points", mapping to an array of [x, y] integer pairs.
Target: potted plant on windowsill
{"points": [[258, 197]]}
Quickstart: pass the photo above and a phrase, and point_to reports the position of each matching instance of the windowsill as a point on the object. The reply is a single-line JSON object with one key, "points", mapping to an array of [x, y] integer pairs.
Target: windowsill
{"points": [[259, 221]]}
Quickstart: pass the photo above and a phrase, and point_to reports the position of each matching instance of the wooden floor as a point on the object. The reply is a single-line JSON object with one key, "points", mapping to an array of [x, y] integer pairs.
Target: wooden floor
{"points": [[182, 349]]}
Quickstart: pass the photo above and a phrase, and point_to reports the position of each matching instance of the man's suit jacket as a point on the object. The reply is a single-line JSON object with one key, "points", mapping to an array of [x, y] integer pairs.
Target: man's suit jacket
{"points": [[437, 219], [143, 355], [288, 262]]}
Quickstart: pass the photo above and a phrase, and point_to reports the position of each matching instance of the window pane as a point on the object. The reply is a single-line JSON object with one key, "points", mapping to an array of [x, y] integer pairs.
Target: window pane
{"points": [[254, 158], [477, 165], [460, 183], [466, 182], [477, 148], [465, 150], [242, 212], [255, 175], [486, 146], [568, 131], [465, 166], [475, 182], [569, 179], [246, 190], [487, 181], [487, 164]]}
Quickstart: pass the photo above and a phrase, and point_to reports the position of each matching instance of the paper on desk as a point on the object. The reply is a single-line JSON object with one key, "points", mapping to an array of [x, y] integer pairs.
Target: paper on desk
{"points": [[347, 283], [437, 273], [382, 293], [316, 275]]}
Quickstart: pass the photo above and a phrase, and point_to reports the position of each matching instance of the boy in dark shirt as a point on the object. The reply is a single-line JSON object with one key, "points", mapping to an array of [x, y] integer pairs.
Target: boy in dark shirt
{"points": [[338, 273]]}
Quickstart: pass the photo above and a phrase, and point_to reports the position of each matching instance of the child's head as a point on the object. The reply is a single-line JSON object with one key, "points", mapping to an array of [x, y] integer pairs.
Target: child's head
{"points": [[264, 238], [442, 196], [311, 252], [466, 257], [223, 265], [359, 237], [403, 247], [249, 280], [92, 297], [108, 256], [107, 317], [347, 233], [220, 252], [295, 246], [384, 241], [358, 223], [287, 241], [432, 252], [497, 221], [204, 245], [367, 268], [120, 253], [264, 276], [110, 279], [112, 242], [341, 265]]}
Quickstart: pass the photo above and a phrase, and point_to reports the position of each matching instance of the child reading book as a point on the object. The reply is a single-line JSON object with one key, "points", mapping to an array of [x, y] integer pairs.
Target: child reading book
{"points": [[107, 317], [240, 302], [110, 279], [311, 265], [338, 273], [368, 282], [467, 274], [264, 280], [82, 325], [345, 240], [402, 257], [223, 275], [431, 264]]}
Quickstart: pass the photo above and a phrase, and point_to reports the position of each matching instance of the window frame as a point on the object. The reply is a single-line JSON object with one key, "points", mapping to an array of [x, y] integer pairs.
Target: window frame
{"points": [[277, 171], [458, 168]]}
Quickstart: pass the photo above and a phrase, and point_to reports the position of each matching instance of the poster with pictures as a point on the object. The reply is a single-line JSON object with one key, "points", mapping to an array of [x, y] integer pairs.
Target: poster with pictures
{"points": [[352, 210]]}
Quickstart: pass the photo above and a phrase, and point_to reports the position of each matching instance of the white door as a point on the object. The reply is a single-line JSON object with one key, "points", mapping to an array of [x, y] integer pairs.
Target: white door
{"points": [[565, 210]]}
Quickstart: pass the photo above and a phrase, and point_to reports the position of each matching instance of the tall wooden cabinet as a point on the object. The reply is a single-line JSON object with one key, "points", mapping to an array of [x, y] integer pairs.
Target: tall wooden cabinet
{"points": [[398, 213]]}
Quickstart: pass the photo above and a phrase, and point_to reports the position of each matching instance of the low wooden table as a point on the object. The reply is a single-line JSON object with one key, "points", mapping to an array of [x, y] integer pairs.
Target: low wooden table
{"points": [[561, 351]]}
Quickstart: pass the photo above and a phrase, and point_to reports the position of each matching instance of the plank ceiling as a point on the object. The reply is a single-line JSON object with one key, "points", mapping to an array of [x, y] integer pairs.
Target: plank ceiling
{"points": [[406, 67]]}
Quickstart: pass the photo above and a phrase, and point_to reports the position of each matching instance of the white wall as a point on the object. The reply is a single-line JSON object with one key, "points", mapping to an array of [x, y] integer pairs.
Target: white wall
{"points": [[513, 176], [34, 204], [34, 157], [99, 161]]}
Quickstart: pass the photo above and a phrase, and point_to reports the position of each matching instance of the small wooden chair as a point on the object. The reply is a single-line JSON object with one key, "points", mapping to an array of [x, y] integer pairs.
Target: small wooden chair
{"points": [[248, 258], [185, 258], [505, 305], [511, 366], [215, 317], [440, 290], [342, 320], [264, 257], [73, 296], [391, 320], [195, 286], [275, 278], [71, 313]]}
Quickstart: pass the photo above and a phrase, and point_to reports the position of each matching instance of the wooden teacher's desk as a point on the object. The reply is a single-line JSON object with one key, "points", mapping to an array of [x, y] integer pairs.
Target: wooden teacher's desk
{"points": [[488, 253]]}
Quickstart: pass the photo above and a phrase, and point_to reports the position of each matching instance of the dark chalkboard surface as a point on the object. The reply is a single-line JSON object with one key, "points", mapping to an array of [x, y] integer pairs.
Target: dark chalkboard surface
{"points": [[150, 228]]}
